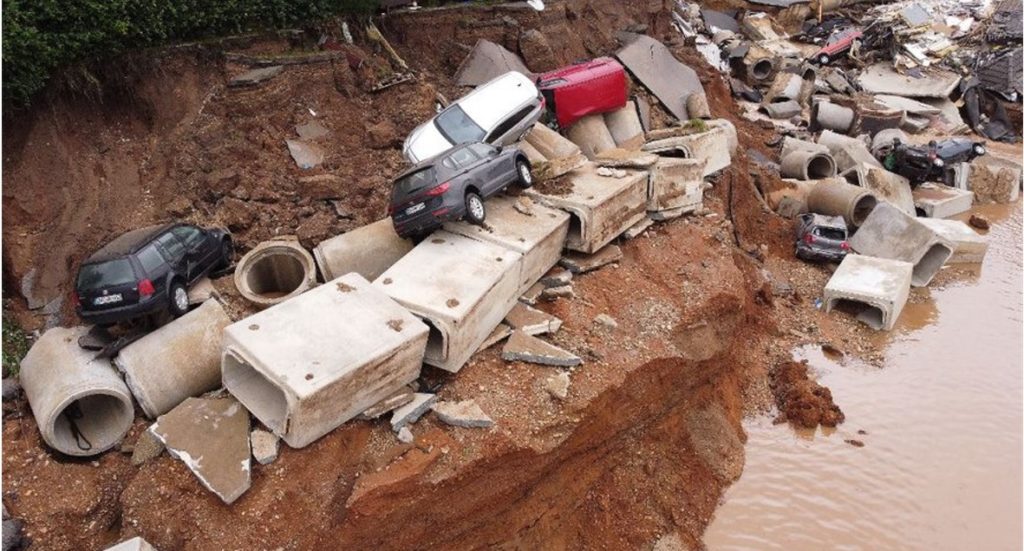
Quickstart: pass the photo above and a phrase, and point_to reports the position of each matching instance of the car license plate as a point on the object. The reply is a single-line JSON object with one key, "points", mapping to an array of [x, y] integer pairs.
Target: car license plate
{"points": [[107, 299], [415, 208]]}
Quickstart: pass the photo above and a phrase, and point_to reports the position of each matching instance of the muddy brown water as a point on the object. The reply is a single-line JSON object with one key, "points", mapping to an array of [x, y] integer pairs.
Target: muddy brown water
{"points": [[941, 463]]}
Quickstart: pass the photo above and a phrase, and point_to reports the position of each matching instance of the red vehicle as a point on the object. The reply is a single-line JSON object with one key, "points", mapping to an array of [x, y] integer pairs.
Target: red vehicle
{"points": [[573, 92], [838, 44]]}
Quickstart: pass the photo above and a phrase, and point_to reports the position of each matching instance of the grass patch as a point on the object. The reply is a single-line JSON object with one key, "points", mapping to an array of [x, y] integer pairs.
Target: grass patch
{"points": [[15, 345]]}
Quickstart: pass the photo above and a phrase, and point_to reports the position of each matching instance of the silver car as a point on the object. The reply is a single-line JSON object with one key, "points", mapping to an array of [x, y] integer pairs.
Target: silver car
{"points": [[499, 112]]}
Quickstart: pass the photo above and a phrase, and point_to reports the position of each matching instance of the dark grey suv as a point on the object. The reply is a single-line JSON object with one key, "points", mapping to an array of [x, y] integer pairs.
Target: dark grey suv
{"points": [[820, 237], [453, 186]]}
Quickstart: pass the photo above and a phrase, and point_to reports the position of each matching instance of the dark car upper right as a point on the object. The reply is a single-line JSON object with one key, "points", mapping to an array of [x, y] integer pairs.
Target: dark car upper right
{"points": [[453, 185]]}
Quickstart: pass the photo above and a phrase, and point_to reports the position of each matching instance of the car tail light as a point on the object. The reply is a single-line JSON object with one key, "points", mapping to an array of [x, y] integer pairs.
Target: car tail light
{"points": [[146, 288], [844, 246], [438, 190], [808, 238], [75, 300]]}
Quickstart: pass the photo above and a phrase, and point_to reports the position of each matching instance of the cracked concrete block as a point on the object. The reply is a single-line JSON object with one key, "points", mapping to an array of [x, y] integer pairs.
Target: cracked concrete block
{"points": [[411, 412], [676, 185], [591, 135], [211, 437], [367, 251], [500, 333], [653, 64], [532, 321], [879, 285], [264, 446], [538, 236], [939, 201], [579, 263], [561, 156], [889, 187], [601, 208], [524, 348], [556, 277], [178, 360], [460, 287], [396, 400], [712, 146], [306, 366], [557, 385], [968, 246], [134, 544], [466, 414], [889, 233], [624, 126]]}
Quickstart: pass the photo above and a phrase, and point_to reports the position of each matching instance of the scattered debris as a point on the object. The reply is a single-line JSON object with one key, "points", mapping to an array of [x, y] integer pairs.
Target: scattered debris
{"points": [[466, 414], [524, 348], [581, 263], [606, 321], [411, 412], [264, 446], [557, 385], [147, 447], [255, 76], [405, 436], [531, 321]]}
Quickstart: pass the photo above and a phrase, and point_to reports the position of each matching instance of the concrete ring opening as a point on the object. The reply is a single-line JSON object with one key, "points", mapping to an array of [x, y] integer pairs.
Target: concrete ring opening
{"points": [[275, 271], [88, 424], [809, 74], [820, 167], [865, 312], [260, 396], [865, 204], [761, 69], [930, 263]]}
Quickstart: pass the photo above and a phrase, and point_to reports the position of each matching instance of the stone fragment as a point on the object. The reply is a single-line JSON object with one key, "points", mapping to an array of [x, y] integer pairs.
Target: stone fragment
{"points": [[146, 447], [201, 291], [500, 333], [606, 321], [524, 348], [411, 412], [636, 229], [11, 389], [264, 446], [579, 263], [401, 397], [405, 436], [532, 295], [306, 155], [532, 321], [134, 544], [977, 220], [11, 534], [211, 436], [557, 385], [557, 277], [552, 293], [465, 414], [312, 130]]}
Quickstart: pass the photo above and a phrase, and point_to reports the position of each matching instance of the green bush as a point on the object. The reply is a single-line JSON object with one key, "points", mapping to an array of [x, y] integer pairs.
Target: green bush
{"points": [[41, 36], [15, 346]]}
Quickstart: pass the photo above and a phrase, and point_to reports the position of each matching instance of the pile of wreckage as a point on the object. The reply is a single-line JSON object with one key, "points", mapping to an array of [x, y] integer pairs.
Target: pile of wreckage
{"points": [[342, 332]]}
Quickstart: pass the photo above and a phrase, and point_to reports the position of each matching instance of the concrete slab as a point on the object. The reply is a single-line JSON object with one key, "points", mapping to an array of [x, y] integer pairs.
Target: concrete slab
{"points": [[591, 135], [524, 348], [889, 187], [500, 333], [602, 207], [908, 105], [676, 185], [891, 234], [134, 544], [557, 385], [486, 61], [211, 436], [466, 414], [560, 155], [881, 284], [178, 360], [624, 126], [306, 155], [537, 233], [264, 446], [307, 365], [368, 251], [711, 146], [411, 412], [578, 263], [638, 229], [881, 78], [461, 287], [939, 201], [532, 321], [657, 69], [969, 246]]}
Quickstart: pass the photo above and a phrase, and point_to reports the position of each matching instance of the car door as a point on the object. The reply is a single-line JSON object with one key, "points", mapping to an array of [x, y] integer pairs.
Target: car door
{"points": [[492, 170], [199, 249], [174, 251], [466, 163]]}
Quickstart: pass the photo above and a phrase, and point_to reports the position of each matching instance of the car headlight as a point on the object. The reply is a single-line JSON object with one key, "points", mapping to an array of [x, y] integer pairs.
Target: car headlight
{"points": [[938, 162], [979, 149]]}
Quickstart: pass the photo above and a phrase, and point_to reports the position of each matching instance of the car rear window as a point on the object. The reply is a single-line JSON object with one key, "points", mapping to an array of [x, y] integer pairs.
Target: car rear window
{"points": [[457, 127], [411, 184], [105, 274], [831, 233]]}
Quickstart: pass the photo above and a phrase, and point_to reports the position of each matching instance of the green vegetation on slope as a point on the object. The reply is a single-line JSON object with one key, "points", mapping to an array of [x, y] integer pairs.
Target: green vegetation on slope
{"points": [[15, 345]]}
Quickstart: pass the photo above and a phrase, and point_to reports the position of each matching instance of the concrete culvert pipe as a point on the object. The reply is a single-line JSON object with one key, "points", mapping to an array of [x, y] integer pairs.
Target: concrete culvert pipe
{"points": [[837, 198], [808, 165], [884, 138], [275, 271], [697, 106], [762, 69], [81, 405], [831, 117]]}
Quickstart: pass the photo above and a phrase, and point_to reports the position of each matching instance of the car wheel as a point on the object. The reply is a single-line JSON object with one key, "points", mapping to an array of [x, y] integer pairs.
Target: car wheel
{"points": [[523, 171], [227, 251], [178, 305], [823, 59], [979, 149], [475, 212]]}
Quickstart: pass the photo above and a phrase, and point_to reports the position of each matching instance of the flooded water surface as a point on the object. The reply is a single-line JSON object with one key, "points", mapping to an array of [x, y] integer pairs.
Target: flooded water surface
{"points": [[940, 466]]}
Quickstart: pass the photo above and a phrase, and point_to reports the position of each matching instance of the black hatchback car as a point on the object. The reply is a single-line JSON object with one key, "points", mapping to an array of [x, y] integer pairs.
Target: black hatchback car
{"points": [[453, 186], [147, 271]]}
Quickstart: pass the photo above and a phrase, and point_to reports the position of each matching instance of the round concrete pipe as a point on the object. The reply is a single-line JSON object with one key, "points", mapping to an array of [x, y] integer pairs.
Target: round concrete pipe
{"points": [[762, 69], [274, 272], [808, 165], [787, 87], [697, 106], [178, 360], [832, 117], [81, 405], [883, 139], [837, 198]]}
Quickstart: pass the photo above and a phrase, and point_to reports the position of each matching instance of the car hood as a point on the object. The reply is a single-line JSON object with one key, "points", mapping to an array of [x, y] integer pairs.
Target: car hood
{"points": [[425, 142]]}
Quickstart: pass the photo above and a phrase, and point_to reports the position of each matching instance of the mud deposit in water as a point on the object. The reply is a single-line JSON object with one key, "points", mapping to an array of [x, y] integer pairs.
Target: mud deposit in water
{"points": [[941, 426]]}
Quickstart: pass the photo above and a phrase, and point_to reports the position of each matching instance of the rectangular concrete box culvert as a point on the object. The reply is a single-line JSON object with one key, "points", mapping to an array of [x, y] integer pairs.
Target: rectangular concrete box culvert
{"points": [[676, 185], [178, 360], [461, 287], [539, 236], [939, 201], [602, 207], [969, 246], [892, 234], [712, 146], [367, 251], [880, 286], [305, 366]]}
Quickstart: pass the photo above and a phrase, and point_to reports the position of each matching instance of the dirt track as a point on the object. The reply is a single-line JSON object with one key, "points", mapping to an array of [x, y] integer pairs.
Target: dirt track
{"points": [[643, 445]]}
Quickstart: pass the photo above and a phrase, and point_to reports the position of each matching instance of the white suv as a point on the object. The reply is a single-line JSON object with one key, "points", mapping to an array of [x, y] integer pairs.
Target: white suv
{"points": [[499, 112]]}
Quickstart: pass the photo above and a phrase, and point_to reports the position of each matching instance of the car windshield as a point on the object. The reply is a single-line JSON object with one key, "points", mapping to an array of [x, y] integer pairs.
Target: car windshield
{"points": [[105, 274], [831, 233], [410, 184], [457, 127]]}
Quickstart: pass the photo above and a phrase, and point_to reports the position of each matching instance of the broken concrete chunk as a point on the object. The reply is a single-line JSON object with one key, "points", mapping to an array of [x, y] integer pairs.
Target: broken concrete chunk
{"points": [[557, 385], [523, 205], [606, 321], [411, 412], [579, 263], [465, 414], [889, 233], [532, 295], [552, 293], [312, 130], [621, 158], [524, 348], [610, 172], [638, 228], [654, 65], [255, 76], [306, 155], [201, 292], [264, 446], [532, 321], [211, 436], [500, 333], [405, 436], [398, 399], [134, 544], [556, 277], [146, 447]]}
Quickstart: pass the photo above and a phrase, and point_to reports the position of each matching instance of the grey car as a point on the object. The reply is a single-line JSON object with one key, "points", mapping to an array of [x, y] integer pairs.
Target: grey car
{"points": [[821, 237], [453, 186]]}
